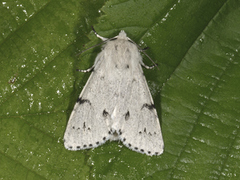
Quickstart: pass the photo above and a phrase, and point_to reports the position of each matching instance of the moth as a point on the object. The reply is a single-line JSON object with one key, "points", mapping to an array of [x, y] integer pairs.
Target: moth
{"points": [[115, 104]]}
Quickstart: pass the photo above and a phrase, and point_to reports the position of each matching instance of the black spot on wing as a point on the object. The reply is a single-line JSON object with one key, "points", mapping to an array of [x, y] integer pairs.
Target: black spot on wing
{"points": [[148, 106], [120, 132], [146, 132], [81, 101], [105, 113], [127, 115]]}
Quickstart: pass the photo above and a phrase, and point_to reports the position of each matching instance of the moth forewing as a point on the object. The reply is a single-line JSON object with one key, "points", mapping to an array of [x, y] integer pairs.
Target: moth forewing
{"points": [[115, 103]]}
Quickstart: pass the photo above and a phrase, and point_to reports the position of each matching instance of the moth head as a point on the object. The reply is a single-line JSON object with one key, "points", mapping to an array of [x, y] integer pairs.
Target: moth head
{"points": [[122, 35]]}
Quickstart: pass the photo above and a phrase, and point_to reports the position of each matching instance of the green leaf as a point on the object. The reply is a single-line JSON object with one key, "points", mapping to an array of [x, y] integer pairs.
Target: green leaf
{"points": [[196, 89]]}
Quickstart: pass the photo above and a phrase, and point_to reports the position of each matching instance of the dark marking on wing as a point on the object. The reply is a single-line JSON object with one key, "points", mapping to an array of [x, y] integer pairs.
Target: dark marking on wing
{"points": [[120, 132], [81, 101], [114, 132], [148, 106], [105, 113], [145, 130], [116, 47], [127, 66], [127, 115]]}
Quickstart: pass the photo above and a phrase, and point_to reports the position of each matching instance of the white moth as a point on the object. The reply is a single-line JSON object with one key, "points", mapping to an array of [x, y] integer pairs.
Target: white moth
{"points": [[115, 103]]}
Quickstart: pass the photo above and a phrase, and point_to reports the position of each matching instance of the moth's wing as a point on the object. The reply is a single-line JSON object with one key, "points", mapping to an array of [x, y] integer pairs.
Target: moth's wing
{"points": [[87, 127], [141, 130]]}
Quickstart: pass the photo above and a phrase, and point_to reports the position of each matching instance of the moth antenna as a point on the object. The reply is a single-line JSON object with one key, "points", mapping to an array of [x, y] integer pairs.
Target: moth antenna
{"points": [[100, 37], [90, 48]]}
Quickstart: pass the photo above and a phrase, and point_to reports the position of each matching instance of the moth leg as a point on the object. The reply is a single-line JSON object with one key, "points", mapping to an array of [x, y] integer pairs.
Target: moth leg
{"points": [[86, 70], [144, 65], [144, 49], [148, 67]]}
